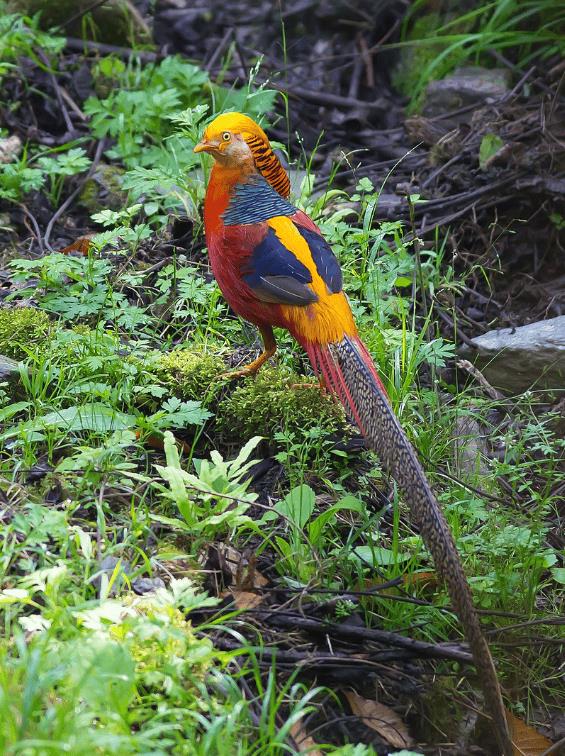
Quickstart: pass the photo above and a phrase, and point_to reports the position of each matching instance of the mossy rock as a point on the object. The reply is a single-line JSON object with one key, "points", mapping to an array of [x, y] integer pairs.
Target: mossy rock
{"points": [[103, 190], [111, 22], [275, 401], [23, 329], [10, 376], [415, 59], [189, 373]]}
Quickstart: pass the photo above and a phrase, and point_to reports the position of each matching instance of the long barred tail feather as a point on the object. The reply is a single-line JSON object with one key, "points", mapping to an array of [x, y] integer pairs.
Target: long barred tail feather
{"points": [[350, 374]]}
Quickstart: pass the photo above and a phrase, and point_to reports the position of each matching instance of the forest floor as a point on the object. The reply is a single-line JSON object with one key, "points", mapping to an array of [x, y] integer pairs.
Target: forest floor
{"points": [[191, 564]]}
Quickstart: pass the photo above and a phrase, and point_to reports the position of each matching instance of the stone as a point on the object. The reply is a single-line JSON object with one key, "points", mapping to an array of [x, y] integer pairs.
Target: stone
{"points": [[517, 359], [471, 450], [10, 374], [470, 85], [107, 566], [103, 190], [10, 148], [144, 585]]}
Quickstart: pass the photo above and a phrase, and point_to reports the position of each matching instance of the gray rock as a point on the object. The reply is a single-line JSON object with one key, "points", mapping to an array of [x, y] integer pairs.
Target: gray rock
{"points": [[147, 585], [10, 374], [10, 148], [516, 359], [466, 86], [471, 449], [106, 567]]}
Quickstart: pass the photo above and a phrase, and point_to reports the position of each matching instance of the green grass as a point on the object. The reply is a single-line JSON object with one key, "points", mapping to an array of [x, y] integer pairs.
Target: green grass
{"points": [[523, 30]]}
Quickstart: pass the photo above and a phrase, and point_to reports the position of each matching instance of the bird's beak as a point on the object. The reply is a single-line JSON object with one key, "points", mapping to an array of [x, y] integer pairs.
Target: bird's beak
{"points": [[203, 146]]}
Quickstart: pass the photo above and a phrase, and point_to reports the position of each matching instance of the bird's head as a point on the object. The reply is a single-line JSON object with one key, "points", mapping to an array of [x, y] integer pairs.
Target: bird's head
{"points": [[235, 141], [228, 139]]}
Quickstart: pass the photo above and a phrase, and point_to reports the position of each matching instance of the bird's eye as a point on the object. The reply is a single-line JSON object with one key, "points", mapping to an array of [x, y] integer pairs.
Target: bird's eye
{"points": [[226, 136]]}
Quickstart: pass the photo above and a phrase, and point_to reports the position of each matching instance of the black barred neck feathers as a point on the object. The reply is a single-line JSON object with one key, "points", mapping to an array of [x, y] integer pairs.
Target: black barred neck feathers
{"points": [[268, 164]]}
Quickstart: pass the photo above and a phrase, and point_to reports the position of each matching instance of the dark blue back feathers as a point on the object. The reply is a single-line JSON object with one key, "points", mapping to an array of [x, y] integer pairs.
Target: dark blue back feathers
{"points": [[324, 259], [255, 201]]}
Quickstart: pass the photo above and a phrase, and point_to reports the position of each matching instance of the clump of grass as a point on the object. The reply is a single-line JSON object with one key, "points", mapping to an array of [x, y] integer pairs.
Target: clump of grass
{"points": [[521, 29], [22, 329], [189, 373], [416, 58], [275, 401]]}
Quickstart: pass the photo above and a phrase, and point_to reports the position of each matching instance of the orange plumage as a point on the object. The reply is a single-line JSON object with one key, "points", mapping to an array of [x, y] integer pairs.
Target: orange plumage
{"points": [[275, 269]]}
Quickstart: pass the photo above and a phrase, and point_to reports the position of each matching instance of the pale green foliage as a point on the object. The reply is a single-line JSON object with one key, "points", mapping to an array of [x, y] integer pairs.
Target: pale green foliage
{"points": [[17, 179], [189, 373], [89, 294], [19, 35], [213, 500], [528, 27], [306, 536], [58, 168]]}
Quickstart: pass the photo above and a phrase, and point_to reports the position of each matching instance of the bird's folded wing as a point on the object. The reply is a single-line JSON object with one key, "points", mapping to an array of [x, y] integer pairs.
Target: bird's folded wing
{"points": [[275, 274]]}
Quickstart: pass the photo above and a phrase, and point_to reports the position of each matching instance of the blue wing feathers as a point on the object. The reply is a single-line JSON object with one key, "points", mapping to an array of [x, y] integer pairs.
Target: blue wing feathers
{"points": [[324, 259], [275, 274], [255, 201]]}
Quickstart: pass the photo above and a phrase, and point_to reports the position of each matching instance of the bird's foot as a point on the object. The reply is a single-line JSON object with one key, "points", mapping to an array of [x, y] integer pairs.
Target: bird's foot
{"points": [[251, 369], [319, 384]]}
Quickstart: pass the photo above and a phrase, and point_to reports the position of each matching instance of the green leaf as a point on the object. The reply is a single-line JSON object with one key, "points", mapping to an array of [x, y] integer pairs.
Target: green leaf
{"points": [[558, 574], [403, 281], [378, 555], [95, 416], [298, 505], [349, 503], [13, 409], [490, 145]]}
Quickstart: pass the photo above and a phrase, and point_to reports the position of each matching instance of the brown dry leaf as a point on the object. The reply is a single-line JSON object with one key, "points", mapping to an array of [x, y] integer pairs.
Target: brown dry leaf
{"points": [[81, 245], [380, 718], [241, 567], [304, 743], [526, 740], [427, 579], [243, 599]]}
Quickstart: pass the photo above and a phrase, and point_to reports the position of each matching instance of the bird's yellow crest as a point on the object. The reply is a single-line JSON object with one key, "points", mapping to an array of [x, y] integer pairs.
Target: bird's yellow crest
{"points": [[237, 123], [266, 161]]}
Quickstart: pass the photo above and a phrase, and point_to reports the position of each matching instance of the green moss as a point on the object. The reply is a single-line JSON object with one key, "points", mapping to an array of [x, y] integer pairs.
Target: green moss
{"points": [[272, 402], [189, 373], [103, 190], [22, 329]]}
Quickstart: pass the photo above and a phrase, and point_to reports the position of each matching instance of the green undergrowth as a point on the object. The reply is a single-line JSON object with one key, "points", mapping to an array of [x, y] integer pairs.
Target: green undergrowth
{"points": [[434, 44], [274, 401], [127, 458], [191, 374]]}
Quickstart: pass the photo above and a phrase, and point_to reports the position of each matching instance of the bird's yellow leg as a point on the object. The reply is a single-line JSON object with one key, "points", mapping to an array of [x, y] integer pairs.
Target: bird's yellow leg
{"points": [[269, 348]]}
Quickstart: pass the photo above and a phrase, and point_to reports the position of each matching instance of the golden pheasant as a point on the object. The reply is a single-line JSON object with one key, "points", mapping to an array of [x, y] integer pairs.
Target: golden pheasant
{"points": [[275, 269]]}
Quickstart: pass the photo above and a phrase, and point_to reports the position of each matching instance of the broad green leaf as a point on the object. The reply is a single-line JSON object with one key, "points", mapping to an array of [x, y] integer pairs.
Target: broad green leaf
{"points": [[379, 555], [94, 416], [316, 527], [403, 282], [298, 505]]}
